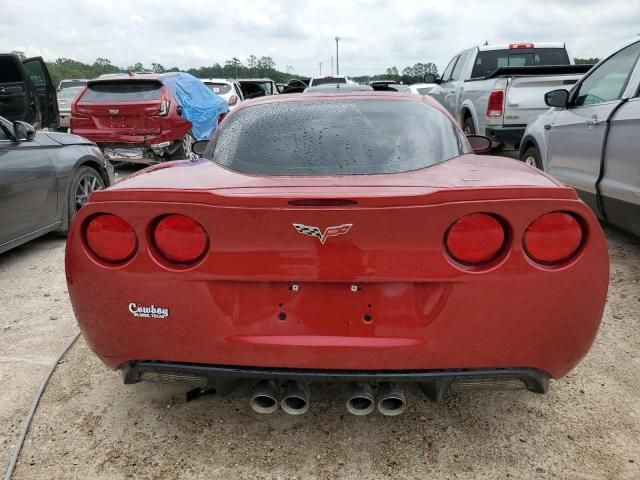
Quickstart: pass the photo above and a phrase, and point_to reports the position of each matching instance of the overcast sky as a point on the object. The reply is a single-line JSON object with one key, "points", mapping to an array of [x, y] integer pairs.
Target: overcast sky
{"points": [[375, 34]]}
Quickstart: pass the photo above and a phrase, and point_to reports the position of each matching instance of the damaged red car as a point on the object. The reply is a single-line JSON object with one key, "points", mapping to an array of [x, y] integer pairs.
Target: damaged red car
{"points": [[354, 238]]}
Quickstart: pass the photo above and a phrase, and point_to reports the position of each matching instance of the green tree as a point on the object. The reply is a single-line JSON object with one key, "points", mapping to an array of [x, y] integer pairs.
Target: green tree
{"points": [[586, 61]]}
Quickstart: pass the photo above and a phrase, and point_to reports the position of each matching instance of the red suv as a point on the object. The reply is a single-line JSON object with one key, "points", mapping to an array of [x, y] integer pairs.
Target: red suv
{"points": [[147, 118]]}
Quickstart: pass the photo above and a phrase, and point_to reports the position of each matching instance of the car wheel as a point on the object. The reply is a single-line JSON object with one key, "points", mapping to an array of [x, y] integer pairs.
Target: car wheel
{"points": [[86, 181], [532, 158], [184, 151], [468, 127]]}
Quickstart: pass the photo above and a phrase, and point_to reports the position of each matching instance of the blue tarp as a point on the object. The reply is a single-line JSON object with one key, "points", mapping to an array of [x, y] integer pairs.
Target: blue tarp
{"points": [[199, 104]]}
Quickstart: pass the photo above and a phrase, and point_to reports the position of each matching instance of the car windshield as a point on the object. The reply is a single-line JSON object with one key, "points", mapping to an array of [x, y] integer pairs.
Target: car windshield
{"points": [[487, 61], [219, 88], [323, 81], [122, 91], [335, 137], [69, 93]]}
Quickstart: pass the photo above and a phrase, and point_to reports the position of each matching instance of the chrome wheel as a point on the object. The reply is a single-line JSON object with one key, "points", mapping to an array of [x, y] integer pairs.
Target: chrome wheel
{"points": [[87, 184]]}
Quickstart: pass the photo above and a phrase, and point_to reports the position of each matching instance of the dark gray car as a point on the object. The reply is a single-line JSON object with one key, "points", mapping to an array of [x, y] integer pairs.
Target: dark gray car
{"points": [[45, 177]]}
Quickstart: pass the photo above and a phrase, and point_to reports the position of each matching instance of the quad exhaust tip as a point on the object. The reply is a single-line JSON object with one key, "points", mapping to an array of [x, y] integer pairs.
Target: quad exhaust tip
{"points": [[360, 400], [392, 400], [295, 400], [265, 397]]}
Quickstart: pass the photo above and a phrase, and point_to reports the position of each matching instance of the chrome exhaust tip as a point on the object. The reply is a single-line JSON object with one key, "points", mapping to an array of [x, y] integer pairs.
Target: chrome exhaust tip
{"points": [[392, 400], [295, 400], [265, 397], [360, 399]]}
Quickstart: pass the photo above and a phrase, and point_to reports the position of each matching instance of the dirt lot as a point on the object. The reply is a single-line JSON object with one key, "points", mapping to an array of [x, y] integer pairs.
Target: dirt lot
{"points": [[90, 425]]}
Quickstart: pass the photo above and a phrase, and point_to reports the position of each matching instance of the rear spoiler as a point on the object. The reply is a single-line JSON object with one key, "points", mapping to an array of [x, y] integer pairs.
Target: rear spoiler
{"points": [[535, 71]]}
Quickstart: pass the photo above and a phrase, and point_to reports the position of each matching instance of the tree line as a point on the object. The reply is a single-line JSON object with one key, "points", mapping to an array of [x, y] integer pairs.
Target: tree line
{"points": [[62, 68], [408, 75], [254, 66]]}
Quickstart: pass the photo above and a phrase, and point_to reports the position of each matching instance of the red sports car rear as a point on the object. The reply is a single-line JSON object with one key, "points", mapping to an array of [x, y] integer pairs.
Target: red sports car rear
{"points": [[362, 242]]}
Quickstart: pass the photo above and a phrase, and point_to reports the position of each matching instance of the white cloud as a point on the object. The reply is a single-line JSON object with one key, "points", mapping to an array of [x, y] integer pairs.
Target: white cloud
{"points": [[375, 33]]}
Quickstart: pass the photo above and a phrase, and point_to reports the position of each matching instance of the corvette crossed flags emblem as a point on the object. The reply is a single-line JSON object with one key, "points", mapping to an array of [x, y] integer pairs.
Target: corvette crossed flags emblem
{"points": [[332, 231]]}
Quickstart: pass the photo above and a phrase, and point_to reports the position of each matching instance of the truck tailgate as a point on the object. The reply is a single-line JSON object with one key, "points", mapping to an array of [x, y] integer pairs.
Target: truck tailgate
{"points": [[525, 96]]}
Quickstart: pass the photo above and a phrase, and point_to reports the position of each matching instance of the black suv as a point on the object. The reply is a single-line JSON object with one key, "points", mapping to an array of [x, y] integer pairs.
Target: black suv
{"points": [[27, 93]]}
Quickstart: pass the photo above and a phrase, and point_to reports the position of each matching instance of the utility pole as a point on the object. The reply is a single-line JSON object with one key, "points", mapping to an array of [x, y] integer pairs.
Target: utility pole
{"points": [[332, 65], [337, 57], [320, 64]]}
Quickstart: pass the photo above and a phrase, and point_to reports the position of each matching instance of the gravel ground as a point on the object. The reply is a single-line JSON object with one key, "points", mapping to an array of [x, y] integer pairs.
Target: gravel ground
{"points": [[90, 425]]}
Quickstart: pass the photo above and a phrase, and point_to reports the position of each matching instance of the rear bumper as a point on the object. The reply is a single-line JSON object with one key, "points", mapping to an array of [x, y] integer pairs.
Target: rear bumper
{"points": [[433, 382], [510, 136]]}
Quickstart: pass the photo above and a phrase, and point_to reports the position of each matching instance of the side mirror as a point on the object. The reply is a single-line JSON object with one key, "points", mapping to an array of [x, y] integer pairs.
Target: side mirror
{"points": [[199, 147], [479, 144], [23, 132], [557, 98], [233, 100], [430, 78]]}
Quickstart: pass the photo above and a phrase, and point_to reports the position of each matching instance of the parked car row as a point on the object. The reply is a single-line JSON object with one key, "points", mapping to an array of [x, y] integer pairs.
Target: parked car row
{"points": [[586, 140]]}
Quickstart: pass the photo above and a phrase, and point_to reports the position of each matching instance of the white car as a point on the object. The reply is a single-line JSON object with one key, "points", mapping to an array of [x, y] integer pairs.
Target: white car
{"points": [[421, 88], [330, 80], [228, 89]]}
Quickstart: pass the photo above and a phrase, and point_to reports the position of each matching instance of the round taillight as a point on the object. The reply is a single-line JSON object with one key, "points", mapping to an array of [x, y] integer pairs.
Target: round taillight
{"points": [[110, 238], [553, 238], [475, 239], [180, 239]]}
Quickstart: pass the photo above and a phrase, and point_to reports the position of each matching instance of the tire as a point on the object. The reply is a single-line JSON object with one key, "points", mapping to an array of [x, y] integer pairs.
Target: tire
{"points": [[184, 151], [468, 127], [85, 181], [532, 158]]}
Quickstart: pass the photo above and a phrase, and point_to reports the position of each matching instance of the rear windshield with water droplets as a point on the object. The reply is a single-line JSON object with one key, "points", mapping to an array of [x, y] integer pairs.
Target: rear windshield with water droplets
{"points": [[335, 137]]}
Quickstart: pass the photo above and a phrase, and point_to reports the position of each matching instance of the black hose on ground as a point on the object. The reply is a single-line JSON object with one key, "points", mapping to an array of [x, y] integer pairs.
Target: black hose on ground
{"points": [[27, 421]]}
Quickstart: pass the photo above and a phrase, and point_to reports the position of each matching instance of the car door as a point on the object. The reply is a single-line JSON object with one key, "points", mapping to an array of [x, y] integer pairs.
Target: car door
{"points": [[453, 86], [620, 184], [37, 71], [28, 189], [578, 132], [444, 88], [17, 95]]}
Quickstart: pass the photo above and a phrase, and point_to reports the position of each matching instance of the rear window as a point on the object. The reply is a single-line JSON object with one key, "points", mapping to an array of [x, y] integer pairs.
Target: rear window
{"points": [[10, 70], [324, 81], [219, 88], [69, 93], [115, 92], [335, 137], [488, 61], [72, 83]]}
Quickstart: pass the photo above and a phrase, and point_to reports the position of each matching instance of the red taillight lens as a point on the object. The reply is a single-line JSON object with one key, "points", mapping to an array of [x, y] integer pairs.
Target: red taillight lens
{"points": [[180, 239], [110, 238], [553, 238], [495, 104], [475, 239], [165, 104]]}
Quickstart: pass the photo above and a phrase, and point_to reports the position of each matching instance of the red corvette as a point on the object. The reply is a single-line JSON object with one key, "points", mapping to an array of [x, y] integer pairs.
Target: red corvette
{"points": [[352, 238]]}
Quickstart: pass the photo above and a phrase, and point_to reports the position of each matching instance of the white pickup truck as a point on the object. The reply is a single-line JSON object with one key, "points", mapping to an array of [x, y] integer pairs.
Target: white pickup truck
{"points": [[494, 90]]}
